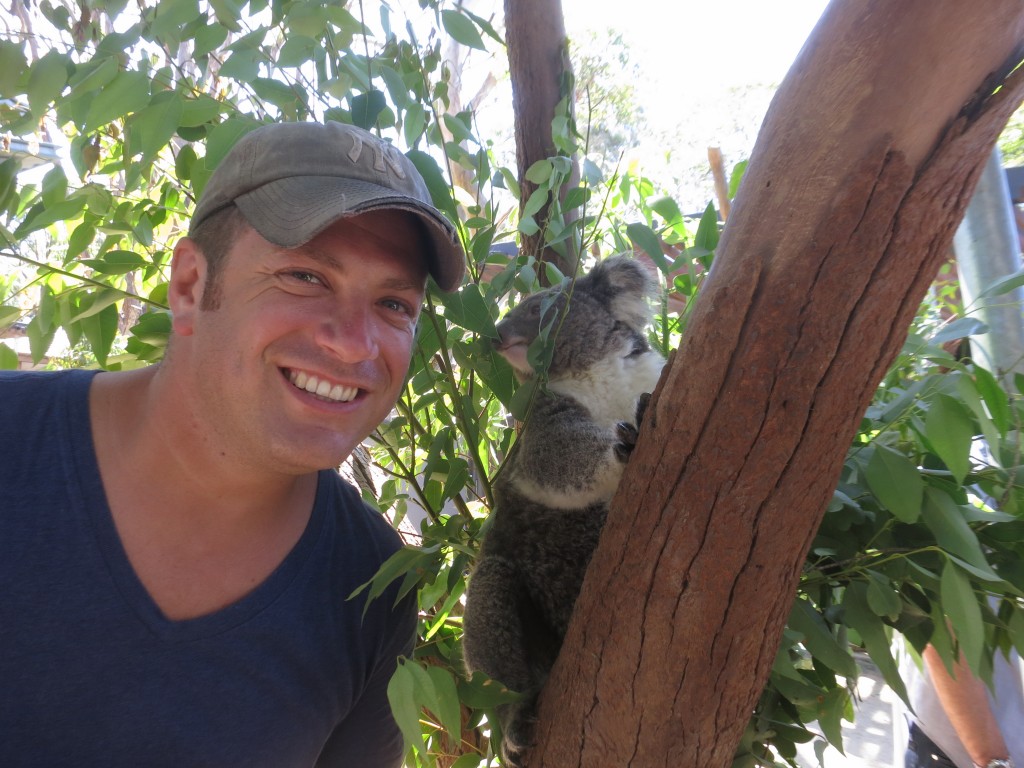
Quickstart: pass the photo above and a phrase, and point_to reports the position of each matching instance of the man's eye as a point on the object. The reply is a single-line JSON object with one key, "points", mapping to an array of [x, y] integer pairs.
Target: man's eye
{"points": [[305, 277]]}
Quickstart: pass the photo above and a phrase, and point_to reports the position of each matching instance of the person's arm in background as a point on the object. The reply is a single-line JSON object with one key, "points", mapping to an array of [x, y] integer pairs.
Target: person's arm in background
{"points": [[965, 700]]}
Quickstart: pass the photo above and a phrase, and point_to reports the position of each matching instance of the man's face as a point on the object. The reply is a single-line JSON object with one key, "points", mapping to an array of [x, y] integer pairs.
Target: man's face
{"points": [[309, 347]]}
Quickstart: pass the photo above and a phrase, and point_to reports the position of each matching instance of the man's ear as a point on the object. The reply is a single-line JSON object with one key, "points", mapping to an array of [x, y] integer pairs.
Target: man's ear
{"points": [[188, 281]]}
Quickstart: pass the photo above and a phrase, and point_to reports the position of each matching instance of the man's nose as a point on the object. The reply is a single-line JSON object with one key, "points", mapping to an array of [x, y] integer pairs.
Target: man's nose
{"points": [[350, 333]]}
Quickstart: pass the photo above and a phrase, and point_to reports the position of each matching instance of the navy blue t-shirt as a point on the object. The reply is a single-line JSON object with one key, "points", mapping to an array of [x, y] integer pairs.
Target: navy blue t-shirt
{"points": [[93, 674]]}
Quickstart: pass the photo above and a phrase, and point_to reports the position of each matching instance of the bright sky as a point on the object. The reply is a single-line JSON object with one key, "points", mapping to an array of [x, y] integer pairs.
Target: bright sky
{"points": [[690, 54], [726, 42]]}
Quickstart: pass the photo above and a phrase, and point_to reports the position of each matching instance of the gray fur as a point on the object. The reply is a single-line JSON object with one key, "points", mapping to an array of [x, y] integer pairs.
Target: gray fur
{"points": [[552, 493]]}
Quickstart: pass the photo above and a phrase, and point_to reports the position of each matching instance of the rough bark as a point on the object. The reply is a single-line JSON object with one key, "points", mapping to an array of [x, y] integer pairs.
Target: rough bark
{"points": [[861, 172], [539, 69]]}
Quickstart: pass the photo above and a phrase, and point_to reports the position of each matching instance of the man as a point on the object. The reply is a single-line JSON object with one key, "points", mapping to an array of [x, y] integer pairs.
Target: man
{"points": [[957, 721], [176, 551]]}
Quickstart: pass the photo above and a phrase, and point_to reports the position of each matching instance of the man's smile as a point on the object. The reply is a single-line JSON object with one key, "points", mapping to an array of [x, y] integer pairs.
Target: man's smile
{"points": [[322, 388]]}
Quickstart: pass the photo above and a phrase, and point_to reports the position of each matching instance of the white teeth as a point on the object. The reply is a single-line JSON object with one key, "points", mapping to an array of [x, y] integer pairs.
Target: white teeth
{"points": [[322, 388], [341, 393]]}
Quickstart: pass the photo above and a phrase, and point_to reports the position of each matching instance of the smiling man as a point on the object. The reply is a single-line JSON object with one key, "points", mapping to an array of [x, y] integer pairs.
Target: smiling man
{"points": [[176, 549]]}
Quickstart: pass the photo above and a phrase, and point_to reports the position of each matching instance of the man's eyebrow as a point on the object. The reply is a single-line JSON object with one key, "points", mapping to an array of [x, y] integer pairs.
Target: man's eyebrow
{"points": [[396, 283], [315, 254]]}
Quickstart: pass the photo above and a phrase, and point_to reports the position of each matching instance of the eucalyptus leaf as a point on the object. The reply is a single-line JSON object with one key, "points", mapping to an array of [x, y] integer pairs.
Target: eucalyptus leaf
{"points": [[462, 30], [9, 360], [645, 237], [942, 515], [126, 93], [819, 641], [960, 328], [950, 431], [895, 481], [960, 605], [873, 634], [403, 700], [46, 80]]}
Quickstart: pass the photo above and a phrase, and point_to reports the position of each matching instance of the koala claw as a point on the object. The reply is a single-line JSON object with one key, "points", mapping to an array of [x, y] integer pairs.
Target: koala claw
{"points": [[641, 407], [626, 434]]}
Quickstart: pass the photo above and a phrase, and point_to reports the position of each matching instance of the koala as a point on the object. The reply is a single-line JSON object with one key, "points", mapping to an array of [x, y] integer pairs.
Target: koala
{"points": [[552, 493]]}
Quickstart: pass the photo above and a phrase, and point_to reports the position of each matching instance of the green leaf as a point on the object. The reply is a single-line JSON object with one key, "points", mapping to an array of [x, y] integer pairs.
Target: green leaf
{"points": [[117, 262], [242, 65], [153, 328], [707, 231], [209, 38], [950, 431], [961, 328], [80, 239], [946, 520], [667, 208], [227, 13], [738, 172], [467, 309], [46, 80], [199, 111], [448, 711], [995, 397], [882, 598], [960, 605], [831, 708], [1004, 285], [281, 95], [92, 76], [12, 65], [819, 640], [8, 358], [171, 16], [645, 237], [101, 330], [224, 136], [296, 51], [151, 129], [404, 707], [539, 172], [462, 29], [872, 631], [8, 315], [41, 216], [366, 108], [538, 198], [896, 483], [440, 192], [128, 92]]}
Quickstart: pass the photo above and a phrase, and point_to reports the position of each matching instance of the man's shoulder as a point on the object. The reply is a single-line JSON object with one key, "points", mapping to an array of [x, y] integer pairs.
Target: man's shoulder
{"points": [[40, 384]]}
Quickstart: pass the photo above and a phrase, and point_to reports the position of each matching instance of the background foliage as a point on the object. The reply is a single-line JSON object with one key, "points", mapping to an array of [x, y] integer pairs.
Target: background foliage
{"points": [[146, 99]]}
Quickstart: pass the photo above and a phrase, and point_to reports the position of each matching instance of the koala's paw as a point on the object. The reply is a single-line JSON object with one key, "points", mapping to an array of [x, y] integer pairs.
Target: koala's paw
{"points": [[518, 737], [626, 433], [625, 440]]}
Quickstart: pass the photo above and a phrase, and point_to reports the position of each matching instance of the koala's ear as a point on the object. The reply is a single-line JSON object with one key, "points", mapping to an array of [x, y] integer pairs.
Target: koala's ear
{"points": [[627, 285]]}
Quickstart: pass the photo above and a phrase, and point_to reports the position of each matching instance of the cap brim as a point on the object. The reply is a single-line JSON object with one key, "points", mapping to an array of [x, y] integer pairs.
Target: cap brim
{"points": [[292, 211]]}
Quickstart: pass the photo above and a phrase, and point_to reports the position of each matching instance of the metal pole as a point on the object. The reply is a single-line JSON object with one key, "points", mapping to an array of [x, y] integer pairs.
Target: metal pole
{"points": [[987, 248]]}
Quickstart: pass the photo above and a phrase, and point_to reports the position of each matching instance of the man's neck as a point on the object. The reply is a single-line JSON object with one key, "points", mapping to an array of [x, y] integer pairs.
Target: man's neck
{"points": [[199, 530]]}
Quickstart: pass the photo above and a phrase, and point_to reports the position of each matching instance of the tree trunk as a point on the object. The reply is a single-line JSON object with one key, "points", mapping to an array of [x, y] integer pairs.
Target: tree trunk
{"points": [[539, 69], [862, 170]]}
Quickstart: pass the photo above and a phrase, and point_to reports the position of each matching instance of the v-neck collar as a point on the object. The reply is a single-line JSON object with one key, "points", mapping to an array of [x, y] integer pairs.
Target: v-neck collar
{"points": [[94, 504]]}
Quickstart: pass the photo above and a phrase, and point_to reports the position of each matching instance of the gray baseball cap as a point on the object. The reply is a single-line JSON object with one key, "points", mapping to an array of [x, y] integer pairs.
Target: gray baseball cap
{"points": [[293, 180]]}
